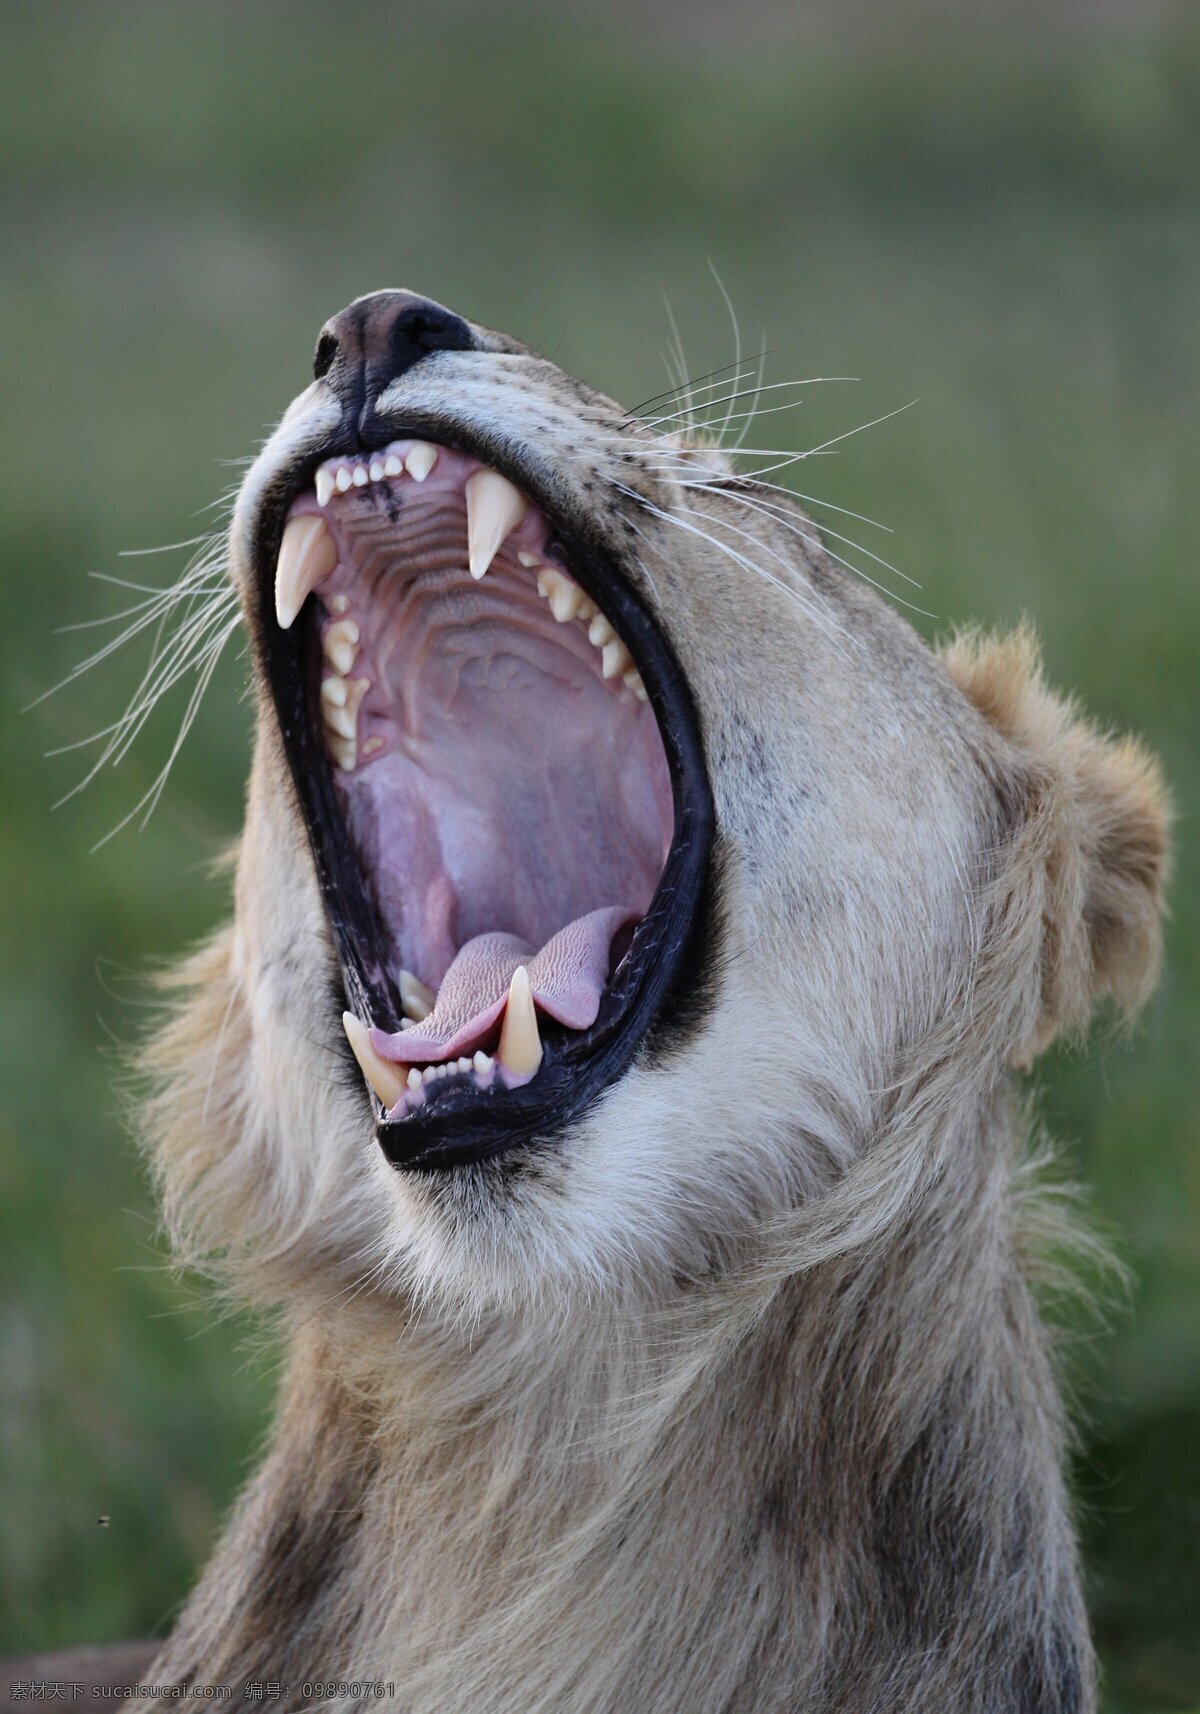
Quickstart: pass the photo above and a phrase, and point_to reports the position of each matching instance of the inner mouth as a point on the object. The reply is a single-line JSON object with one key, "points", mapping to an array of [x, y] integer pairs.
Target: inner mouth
{"points": [[499, 781]]}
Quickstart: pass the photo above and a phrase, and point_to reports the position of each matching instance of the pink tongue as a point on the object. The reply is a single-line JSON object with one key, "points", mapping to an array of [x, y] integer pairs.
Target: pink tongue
{"points": [[567, 977]]}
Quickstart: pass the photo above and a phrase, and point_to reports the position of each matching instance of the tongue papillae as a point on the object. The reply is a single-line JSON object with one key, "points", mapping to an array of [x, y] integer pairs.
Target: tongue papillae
{"points": [[567, 977]]}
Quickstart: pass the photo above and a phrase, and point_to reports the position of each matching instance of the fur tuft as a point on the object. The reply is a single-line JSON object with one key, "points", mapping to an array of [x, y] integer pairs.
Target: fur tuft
{"points": [[1094, 810]]}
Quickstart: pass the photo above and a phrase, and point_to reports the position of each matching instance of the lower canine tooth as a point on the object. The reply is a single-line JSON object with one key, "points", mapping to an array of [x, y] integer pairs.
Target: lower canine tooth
{"points": [[494, 509], [387, 1080], [417, 1000], [306, 555], [520, 1047]]}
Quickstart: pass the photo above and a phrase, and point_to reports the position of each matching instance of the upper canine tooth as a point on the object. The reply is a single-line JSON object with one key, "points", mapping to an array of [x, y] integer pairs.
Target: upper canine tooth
{"points": [[421, 460], [494, 509], [324, 485], [306, 555], [520, 1047], [388, 1081], [418, 1000], [615, 658]]}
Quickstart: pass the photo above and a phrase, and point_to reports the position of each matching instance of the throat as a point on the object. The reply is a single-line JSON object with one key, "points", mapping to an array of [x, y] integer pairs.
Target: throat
{"points": [[380, 1543]]}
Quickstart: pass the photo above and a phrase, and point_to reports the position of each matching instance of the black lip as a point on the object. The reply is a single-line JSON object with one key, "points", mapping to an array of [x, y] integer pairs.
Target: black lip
{"points": [[458, 1125]]}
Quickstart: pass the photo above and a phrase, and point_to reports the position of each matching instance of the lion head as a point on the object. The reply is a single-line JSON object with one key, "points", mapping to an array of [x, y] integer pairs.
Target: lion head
{"points": [[661, 874]]}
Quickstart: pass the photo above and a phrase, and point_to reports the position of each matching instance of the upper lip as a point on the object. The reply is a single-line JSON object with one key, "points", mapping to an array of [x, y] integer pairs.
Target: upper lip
{"points": [[461, 1128]]}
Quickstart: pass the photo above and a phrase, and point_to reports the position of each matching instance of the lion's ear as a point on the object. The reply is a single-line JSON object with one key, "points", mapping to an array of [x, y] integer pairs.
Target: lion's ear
{"points": [[1092, 840]]}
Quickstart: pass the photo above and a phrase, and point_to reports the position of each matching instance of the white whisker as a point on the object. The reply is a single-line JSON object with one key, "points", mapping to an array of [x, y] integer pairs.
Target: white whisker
{"points": [[758, 390], [678, 356], [826, 505], [638, 417], [737, 335], [874, 423], [165, 547], [670, 392], [149, 798], [715, 403], [780, 512], [731, 553], [187, 624], [818, 541]]}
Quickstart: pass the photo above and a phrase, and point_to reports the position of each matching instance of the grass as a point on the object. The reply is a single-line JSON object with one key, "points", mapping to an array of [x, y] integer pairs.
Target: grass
{"points": [[1005, 231]]}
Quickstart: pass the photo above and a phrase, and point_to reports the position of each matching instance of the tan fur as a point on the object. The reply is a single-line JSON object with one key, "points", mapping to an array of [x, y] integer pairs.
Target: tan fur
{"points": [[1101, 810], [733, 1398]]}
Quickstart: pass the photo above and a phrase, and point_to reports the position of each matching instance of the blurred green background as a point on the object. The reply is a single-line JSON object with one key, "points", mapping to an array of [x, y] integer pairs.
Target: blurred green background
{"points": [[995, 213]]}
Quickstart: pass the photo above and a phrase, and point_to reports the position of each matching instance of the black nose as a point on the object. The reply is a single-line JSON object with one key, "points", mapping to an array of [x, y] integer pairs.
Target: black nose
{"points": [[378, 337]]}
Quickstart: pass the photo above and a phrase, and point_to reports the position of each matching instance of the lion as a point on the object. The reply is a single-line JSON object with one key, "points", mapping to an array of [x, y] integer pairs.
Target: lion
{"points": [[609, 1078]]}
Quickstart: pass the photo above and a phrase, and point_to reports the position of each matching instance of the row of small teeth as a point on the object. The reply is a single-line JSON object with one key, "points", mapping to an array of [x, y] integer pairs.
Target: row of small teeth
{"points": [[567, 602], [480, 1062], [332, 479], [519, 1051], [341, 696]]}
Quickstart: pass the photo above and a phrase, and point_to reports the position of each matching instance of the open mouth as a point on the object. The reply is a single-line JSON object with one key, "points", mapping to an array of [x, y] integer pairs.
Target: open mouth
{"points": [[499, 768]]}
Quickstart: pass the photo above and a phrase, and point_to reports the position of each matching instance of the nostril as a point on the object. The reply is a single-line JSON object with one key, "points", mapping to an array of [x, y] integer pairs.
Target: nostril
{"points": [[327, 348], [377, 338], [425, 327]]}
